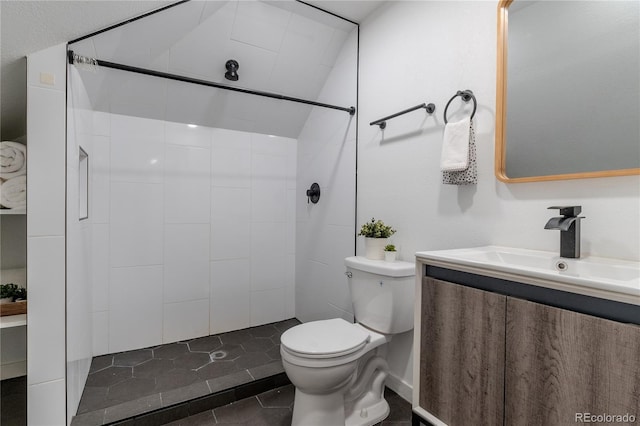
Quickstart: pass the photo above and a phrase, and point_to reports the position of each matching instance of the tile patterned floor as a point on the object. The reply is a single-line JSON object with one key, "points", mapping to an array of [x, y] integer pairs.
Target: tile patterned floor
{"points": [[274, 408], [130, 383]]}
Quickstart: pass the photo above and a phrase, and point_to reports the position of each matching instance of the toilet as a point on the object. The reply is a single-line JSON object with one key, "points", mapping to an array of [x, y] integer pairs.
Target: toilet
{"points": [[338, 368]]}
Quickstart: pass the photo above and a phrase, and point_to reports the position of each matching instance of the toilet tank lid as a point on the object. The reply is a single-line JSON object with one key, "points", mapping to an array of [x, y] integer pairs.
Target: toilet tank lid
{"points": [[380, 267]]}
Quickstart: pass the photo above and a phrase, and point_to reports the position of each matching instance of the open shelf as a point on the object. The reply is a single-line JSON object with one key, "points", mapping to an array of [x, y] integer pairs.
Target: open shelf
{"points": [[13, 211], [13, 321]]}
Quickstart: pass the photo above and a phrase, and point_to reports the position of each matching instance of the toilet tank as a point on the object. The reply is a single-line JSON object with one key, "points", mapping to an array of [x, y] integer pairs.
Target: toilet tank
{"points": [[382, 293]]}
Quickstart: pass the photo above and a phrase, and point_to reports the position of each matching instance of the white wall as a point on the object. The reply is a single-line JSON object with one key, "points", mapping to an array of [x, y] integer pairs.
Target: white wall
{"points": [[325, 231], [194, 231], [414, 52], [79, 244], [46, 236]]}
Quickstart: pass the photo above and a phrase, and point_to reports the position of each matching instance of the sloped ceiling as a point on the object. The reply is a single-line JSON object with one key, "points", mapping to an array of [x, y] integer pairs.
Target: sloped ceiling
{"points": [[29, 26], [284, 47]]}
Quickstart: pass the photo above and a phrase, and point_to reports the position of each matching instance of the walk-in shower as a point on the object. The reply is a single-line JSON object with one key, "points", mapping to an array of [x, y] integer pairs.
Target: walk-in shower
{"points": [[198, 247]]}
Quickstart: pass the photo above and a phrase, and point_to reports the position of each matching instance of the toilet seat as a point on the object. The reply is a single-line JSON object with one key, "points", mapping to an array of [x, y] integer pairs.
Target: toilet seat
{"points": [[324, 339]]}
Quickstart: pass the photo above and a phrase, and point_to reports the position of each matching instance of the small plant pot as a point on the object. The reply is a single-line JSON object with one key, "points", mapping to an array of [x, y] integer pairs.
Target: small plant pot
{"points": [[374, 248], [390, 256]]}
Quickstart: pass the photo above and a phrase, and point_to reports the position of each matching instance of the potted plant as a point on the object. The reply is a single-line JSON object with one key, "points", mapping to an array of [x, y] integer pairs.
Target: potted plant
{"points": [[20, 294], [7, 292], [390, 253], [376, 235]]}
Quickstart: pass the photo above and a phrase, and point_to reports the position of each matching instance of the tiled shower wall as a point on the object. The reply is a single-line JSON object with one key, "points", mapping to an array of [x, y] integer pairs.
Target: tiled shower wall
{"points": [[193, 231]]}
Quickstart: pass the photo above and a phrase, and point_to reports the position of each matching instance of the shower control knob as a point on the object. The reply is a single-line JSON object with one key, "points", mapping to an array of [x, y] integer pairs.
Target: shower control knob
{"points": [[313, 193]]}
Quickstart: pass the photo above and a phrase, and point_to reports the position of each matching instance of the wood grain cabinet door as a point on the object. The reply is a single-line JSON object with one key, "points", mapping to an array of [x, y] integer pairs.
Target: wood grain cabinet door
{"points": [[462, 354], [562, 364]]}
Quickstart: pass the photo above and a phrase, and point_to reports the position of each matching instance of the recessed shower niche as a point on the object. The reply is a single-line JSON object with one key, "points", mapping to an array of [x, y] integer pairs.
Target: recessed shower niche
{"points": [[198, 225]]}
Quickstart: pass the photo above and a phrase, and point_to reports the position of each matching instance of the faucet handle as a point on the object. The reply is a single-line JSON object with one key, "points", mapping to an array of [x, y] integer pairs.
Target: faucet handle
{"points": [[567, 210]]}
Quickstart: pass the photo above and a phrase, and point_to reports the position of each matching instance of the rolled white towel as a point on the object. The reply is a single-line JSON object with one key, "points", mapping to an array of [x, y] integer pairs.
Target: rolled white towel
{"points": [[13, 193], [13, 159]]}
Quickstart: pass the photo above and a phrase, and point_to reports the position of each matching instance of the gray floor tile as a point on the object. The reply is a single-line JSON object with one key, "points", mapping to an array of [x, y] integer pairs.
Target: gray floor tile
{"points": [[185, 393], [235, 337], [192, 360], [238, 412], [278, 398], [92, 418], [153, 368], [132, 408], [205, 344], [100, 362], [227, 352], [133, 388], [263, 331], [176, 379], [229, 381], [131, 358], [170, 351], [130, 383], [203, 419], [217, 369], [267, 370], [283, 326], [258, 344], [93, 399], [109, 376], [252, 359], [274, 353]]}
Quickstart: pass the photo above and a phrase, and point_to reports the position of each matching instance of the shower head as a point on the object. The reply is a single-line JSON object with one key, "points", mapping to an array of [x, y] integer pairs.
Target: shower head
{"points": [[232, 68]]}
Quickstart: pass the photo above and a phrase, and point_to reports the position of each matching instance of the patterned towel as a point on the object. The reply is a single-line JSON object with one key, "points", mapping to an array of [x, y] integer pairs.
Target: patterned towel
{"points": [[469, 176]]}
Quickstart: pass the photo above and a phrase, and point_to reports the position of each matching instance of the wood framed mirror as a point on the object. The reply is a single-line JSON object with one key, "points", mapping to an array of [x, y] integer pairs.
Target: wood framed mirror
{"points": [[567, 90]]}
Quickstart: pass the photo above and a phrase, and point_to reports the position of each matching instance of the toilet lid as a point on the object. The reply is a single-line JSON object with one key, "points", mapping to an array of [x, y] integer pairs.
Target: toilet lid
{"points": [[320, 339]]}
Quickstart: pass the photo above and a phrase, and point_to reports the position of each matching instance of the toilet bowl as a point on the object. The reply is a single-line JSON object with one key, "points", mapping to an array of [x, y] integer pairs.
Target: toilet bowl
{"points": [[338, 368]]}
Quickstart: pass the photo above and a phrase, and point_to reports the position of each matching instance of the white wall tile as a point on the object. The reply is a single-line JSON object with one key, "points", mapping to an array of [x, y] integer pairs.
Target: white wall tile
{"points": [[230, 295], [137, 149], [100, 186], [100, 333], [260, 24], [230, 223], [268, 271], [46, 403], [101, 123], [187, 134], [100, 267], [185, 320], [186, 262], [136, 224], [135, 308], [267, 306], [46, 162], [46, 337], [231, 159], [187, 184]]}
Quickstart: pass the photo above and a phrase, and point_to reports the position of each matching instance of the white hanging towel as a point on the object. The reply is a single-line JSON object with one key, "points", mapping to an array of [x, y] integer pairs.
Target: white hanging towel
{"points": [[455, 146], [469, 175]]}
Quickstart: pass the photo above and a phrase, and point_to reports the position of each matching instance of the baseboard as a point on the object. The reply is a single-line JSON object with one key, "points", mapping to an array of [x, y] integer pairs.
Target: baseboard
{"points": [[13, 369], [399, 386]]}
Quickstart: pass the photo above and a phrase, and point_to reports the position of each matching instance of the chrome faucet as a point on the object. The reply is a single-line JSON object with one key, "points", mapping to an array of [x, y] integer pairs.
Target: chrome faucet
{"points": [[569, 226]]}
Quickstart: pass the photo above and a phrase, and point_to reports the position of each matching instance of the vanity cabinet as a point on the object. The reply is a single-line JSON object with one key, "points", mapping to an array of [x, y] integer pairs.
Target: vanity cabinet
{"points": [[560, 363], [462, 356], [490, 358]]}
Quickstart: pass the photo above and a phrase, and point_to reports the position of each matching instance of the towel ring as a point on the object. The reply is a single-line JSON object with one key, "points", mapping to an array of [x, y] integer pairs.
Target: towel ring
{"points": [[466, 96]]}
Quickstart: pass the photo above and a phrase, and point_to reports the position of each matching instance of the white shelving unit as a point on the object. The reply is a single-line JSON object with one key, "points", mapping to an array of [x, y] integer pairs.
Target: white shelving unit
{"points": [[10, 321]]}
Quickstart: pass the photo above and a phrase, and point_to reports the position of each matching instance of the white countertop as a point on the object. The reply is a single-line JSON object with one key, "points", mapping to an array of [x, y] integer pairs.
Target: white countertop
{"points": [[611, 279]]}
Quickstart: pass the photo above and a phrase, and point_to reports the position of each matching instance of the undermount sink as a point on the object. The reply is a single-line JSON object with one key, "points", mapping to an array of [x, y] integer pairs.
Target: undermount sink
{"points": [[620, 276]]}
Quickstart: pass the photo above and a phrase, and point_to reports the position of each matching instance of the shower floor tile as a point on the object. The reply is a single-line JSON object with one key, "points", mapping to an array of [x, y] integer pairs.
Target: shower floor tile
{"points": [[131, 383], [275, 407]]}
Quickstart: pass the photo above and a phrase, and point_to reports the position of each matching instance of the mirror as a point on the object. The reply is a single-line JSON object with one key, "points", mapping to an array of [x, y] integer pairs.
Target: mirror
{"points": [[568, 97]]}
